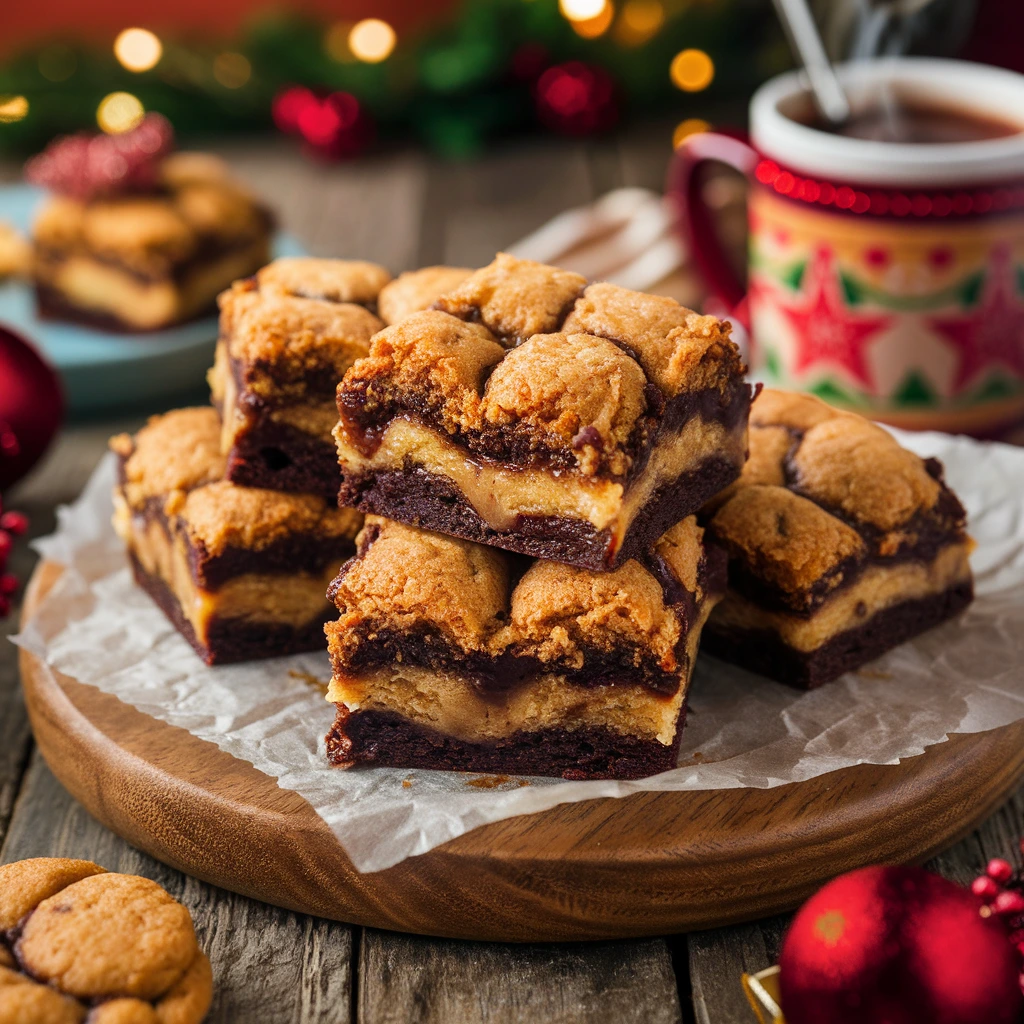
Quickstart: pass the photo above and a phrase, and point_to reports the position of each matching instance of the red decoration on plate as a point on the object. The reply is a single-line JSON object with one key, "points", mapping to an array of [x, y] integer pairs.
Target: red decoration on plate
{"points": [[899, 945], [85, 166], [31, 408], [576, 99]]}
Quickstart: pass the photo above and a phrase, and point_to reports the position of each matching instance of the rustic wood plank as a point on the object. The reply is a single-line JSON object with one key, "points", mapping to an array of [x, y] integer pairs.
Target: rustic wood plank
{"points": [[718, 958], [270, 966], [368, 209], [404, 978], [472, 210]]}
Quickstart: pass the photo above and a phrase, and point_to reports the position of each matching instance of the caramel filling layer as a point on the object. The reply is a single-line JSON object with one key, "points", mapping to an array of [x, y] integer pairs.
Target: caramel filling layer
{"points": [[880, 587], [293, 600], [90, 284], [499, 495], [450, 704]]}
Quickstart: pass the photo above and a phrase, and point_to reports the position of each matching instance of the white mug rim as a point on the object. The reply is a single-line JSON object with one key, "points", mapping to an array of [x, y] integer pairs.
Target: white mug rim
{"points": [[987, 89]]}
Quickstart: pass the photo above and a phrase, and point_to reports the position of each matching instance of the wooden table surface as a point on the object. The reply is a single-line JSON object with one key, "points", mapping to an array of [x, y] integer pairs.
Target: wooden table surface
{"points": [[272, 966]]}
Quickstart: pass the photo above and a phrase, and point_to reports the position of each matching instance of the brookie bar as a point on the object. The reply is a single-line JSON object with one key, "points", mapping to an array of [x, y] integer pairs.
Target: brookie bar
{"points": [[287, 336], [241, 572], [144, 262], [447, 654], [533, 413], [842, 544]]}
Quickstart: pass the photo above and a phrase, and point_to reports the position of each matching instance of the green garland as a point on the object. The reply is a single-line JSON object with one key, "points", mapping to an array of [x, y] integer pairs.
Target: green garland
{"points": [[452, 88]]}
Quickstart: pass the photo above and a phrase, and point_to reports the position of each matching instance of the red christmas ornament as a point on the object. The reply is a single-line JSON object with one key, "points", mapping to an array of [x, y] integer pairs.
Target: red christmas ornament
{"points": [[334, 126], [576, 99], [898, 945], [31, 409], [87, 165]]}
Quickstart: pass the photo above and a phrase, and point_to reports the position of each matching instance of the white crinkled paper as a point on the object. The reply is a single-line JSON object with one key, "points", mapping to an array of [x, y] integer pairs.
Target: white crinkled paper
{"points": [[966, 676]]}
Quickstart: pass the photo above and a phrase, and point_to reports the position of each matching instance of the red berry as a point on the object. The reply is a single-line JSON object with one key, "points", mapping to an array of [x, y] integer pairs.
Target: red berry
{"points": [[8, 584], [1008, 903], [14, 522], [985, 887], [5, 607], [999, 869], [5, 545]]}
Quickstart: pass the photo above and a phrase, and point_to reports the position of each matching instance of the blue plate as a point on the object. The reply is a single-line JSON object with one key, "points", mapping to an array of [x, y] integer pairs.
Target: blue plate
{"points": [[102, 369]]}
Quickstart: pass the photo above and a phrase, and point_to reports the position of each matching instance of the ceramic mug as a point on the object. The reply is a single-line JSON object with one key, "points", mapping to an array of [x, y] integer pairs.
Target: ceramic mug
{"points": [[887, 278]]}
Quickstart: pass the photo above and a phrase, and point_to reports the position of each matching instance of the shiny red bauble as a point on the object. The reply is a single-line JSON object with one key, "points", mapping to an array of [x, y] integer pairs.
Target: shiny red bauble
{"points": [[576, 99], [31, 407], [898, 945]]}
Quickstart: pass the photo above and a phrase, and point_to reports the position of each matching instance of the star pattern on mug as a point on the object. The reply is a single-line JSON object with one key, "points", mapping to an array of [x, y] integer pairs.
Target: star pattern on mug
{"points": [[994, 332], [827, 330]]}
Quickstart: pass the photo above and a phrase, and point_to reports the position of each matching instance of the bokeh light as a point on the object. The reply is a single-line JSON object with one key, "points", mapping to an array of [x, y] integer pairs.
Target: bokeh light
{"points": [[692, 70], [691, 126], [119, 112], [12, 108], [639, 21], [596, 26], [371, 40], [138, 49], [231, 69], [582, 10]]}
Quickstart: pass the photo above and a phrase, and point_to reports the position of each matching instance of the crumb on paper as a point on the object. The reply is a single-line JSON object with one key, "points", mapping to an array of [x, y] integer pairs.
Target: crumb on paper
{"points": [[406, 783], [873, 673], [494, 781], [308, 677]]}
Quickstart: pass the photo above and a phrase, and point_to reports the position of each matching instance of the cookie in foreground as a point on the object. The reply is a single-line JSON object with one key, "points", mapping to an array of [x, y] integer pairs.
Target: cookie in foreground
{"points": [[241, 572], [448, 654], [530, 412], [287, 336], [842, 545], [146, 261], [78, 943]]}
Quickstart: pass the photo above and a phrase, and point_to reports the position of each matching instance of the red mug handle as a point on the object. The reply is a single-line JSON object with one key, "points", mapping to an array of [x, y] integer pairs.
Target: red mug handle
{"points": [[696, 221]]}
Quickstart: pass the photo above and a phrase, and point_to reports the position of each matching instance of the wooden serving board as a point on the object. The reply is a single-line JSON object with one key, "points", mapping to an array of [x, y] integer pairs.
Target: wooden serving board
{"points": [[649, 864]]}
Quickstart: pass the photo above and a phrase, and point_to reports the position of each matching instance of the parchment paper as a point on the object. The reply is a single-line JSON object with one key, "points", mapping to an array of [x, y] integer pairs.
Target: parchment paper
{"points": [[966, 676]]}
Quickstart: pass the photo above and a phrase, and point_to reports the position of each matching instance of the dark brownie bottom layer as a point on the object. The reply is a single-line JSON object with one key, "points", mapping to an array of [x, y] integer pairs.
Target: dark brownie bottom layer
{"points": [[434, 502], [53, 305], [385, 739], [763, 652], [279, 458], [233, 640]]}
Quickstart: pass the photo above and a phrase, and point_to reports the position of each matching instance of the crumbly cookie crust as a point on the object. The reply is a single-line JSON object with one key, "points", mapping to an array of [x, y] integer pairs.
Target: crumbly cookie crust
{"points": [[416, 290]]}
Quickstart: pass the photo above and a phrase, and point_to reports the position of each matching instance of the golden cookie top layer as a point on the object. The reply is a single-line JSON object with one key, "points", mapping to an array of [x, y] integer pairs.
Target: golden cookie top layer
{"points": [[482, 601], [823, 492], [151, 235], [416, 290], [331, 280], [88, 940], [514, 298], [223, 515], [177, 451], [176, 460], [520, 362], [679, 350], [286, 345]]}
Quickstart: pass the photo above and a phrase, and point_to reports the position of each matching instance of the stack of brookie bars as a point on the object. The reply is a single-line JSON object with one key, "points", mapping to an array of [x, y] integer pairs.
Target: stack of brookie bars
{"points": [[558, 501]]}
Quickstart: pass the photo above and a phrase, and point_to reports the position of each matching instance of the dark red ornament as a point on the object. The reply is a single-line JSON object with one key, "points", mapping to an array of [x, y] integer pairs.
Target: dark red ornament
{"points": [[288, 106], [31, 407], [87, 165], [333, 126], [576, 99], [898, 945]]}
